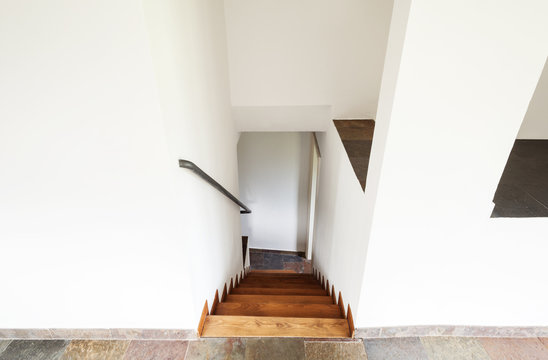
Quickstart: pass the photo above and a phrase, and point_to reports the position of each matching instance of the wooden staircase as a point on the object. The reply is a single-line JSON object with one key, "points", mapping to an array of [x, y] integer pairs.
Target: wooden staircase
{"points": [[277, 304]]}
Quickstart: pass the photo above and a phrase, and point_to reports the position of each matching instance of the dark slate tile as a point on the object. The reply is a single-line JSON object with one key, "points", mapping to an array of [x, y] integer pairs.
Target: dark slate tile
{"points": [[298, 267], [357, 148], [354, 123], [514, 348], [3, 345], [539, 192], [274, 349], [319, 350], [156, 350], [355, 133], [95, 350], [216, 349], [395, 349], [453, 348], [34, 350], [290, 258], [523, 187], [255, 257], [513, 201], [272, 261]]}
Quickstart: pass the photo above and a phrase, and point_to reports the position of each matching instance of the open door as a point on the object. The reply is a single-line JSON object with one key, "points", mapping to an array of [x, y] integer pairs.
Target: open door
{"points": [[314, 179]]}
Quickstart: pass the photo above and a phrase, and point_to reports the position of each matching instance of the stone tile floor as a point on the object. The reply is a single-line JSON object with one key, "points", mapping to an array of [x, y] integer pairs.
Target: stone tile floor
{"points": [[427, 348], [273, 260]]}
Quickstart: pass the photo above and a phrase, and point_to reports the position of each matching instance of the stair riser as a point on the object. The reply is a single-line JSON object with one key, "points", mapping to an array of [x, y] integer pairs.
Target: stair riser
{"points": [[278, 285], [286, 281], [281, 276], [277, 291], [279, 310], [256, 326], [280, 299]]}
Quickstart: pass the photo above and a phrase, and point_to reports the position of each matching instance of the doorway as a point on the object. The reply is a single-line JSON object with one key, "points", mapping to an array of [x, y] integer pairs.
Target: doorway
{"points": [[279, 175]]}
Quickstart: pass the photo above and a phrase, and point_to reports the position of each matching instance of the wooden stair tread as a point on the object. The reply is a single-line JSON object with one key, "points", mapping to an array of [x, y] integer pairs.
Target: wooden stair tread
{"points": [[277, 291], [283, 299], [283, 275], [280, 279], [279, 271], [266, 284], [279, 310], [268, 326]]}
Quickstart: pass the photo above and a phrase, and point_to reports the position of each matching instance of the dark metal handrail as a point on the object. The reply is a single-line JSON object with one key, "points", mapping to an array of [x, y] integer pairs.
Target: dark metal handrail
{"points": [[195, 169]]}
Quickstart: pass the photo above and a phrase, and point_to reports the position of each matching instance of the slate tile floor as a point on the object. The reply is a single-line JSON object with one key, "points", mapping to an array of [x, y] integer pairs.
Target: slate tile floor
{"points": [[272, 260], [426, 348]]}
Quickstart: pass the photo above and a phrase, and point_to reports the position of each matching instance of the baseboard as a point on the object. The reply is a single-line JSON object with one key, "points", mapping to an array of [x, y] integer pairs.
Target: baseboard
{"points": [[455, 331], [187, 334], [99, 334]]}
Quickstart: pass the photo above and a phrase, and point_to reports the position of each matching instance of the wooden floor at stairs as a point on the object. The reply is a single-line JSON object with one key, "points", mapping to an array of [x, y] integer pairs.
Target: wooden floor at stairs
{"points": [[277, 304]]}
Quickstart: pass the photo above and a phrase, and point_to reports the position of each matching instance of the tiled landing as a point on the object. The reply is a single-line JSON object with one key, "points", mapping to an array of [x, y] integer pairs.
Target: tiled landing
{"points": [[425, 348], [273, 260]]}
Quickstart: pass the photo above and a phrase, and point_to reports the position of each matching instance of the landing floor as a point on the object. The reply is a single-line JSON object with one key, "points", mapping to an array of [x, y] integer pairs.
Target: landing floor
{"points": [[278, 260], [427, 348]]}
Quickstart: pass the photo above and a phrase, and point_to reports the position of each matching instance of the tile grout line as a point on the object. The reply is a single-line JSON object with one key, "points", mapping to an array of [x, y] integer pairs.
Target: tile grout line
{"points": [[9, 343], [186, 351]]}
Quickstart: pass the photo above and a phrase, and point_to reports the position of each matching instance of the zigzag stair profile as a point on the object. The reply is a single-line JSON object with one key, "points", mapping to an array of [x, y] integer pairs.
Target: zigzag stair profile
{"points": [[277, 304]]}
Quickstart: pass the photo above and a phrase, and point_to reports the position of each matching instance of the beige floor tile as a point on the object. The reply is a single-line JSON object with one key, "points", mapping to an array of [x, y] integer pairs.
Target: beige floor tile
{"points": [[453, 348]]}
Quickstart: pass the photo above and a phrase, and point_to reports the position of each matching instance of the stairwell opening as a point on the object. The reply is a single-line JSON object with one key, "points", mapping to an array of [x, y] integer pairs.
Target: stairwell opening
{"points": [[523, 188], [278, 176]]}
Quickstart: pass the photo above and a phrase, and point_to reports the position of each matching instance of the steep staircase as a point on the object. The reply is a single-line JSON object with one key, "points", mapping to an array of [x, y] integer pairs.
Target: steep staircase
{"points": [[277, 304]]}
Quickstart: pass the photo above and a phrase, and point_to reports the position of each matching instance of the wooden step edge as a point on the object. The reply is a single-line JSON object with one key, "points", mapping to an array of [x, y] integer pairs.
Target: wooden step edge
{"points": [[267, 326], [272, 272], [281, 299], [274, 279], [350, 319], [279, 278], [281, 284], [277, 291], [201, 324], [255, 273], [348, 316], [215, 303], [267, 285], [341, 305], [323, 311], [225, 294]]}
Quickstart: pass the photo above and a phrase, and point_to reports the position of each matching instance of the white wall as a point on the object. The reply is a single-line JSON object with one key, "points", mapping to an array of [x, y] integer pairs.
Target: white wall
{"points": [[340, 235], [281, 118], [446, 128], [274, 173], [308, 52], [188, 43], [535, 124], [97, 224]]}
